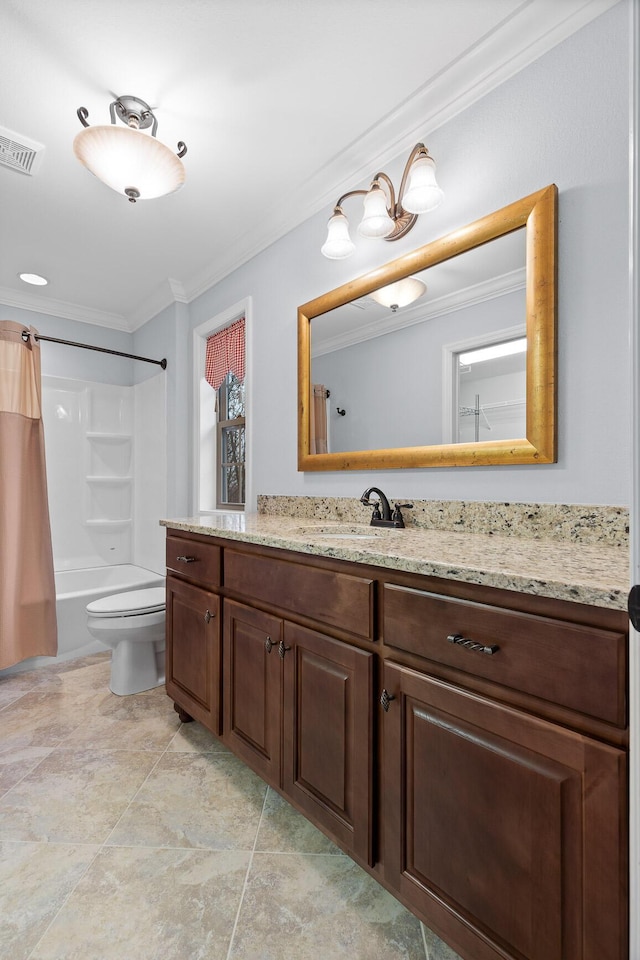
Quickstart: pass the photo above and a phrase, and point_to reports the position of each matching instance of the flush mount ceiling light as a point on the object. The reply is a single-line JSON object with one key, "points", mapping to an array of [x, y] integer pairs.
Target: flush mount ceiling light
{"points": [[34, 278], [383, 217], [127, 160], [400, 294], [493, 352]]}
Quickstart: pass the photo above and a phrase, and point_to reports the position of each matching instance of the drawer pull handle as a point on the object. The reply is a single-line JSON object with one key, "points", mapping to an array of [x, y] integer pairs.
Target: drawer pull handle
{"points": [[269, 644], [187, 559], [385, 700], [461, 641], [208, 616], [282, 649]]}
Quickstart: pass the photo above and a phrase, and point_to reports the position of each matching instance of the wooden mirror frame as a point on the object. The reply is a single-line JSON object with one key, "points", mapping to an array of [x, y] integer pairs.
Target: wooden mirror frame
{"points": [[538, 214]]}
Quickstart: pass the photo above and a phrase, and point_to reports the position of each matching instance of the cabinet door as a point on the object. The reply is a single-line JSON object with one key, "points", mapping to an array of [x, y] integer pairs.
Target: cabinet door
{"points": [[253, 688], [503, 831], [327, 734], [193, 651]]}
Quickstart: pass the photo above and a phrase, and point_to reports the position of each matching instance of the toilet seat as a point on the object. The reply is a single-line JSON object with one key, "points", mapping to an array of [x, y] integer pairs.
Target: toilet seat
{"points": [[135, 603]]}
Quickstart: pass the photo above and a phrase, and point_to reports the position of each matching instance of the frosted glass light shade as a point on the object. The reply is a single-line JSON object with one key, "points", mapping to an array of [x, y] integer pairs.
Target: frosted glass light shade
{"points": [[338, 244], [423, 193], [401, 293], [125, 158], [376, 221]]}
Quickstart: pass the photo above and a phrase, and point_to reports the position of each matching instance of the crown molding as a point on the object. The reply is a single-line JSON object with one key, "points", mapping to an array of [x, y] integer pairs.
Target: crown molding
{"points": [[63, 309], [450, 303], [484, 67]]}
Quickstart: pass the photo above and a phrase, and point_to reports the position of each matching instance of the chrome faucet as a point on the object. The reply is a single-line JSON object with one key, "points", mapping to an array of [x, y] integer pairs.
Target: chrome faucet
{"points": [[384, 518]]}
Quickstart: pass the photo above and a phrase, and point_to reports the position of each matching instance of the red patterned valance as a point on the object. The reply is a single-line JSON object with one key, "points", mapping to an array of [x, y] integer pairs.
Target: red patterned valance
{"points": [[225, 354]]}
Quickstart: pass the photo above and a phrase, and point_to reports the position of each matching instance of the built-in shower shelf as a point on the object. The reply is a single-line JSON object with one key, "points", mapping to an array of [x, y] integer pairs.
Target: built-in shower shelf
{"points": [[97, 479], [108, 523], [93, 435]]}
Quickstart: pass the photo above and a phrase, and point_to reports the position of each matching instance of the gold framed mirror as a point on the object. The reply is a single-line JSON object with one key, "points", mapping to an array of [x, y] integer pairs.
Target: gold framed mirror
{"points": [[532, 223]]}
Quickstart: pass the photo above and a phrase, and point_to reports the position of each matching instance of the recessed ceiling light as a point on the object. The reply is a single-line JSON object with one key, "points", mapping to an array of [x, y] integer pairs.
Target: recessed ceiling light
{"points": [[33, 278]]}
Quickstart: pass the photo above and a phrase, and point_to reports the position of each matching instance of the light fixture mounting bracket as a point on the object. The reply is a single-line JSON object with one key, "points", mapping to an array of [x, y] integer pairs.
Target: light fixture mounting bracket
{"points": [[128, 108]]}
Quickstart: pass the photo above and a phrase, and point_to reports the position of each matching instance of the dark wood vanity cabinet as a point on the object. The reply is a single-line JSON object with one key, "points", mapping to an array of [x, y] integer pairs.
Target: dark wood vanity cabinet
{"points": [[298, 710], [193, 650], [466, 745], [503, 829]]}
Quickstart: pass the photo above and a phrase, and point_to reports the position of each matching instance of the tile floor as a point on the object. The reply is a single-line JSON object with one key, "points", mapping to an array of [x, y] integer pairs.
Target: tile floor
{"points": [[125, 834]]}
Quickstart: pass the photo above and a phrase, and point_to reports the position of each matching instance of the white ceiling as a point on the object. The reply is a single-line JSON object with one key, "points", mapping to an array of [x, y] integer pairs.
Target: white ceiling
{"points": [[283, 104]]}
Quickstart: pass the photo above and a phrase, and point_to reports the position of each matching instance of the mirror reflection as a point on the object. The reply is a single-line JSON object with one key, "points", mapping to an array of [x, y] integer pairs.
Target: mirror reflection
{"points": [[380, 370], [390, 377]]}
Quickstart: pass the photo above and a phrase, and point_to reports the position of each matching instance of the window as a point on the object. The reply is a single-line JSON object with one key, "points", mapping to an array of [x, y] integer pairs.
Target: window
{"points": [[230, 433]]}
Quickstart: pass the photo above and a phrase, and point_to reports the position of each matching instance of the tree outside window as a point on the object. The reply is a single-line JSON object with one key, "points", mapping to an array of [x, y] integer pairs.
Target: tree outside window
{"points": [[231, 444]]}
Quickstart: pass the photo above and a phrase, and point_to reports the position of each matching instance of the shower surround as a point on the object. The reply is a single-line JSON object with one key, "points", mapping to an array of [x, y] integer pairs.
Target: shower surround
{"points": [[106, 475]]}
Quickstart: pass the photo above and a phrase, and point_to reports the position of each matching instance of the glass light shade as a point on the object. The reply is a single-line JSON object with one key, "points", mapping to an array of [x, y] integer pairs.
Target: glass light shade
{"points": [[376, 221], [401, 293], [125, 158], [338, 244], [422, 193]]}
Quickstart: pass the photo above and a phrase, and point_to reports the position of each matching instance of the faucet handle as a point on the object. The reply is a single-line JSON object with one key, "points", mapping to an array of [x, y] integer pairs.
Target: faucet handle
{"points": [[397, 517]]}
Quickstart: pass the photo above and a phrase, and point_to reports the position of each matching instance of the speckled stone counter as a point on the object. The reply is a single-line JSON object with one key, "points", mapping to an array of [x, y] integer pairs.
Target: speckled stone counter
{"points": [[591, 573]]}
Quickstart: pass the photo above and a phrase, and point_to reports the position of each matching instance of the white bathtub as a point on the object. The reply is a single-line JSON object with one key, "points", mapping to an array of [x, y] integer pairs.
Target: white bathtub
{"points": [[76, 588]]}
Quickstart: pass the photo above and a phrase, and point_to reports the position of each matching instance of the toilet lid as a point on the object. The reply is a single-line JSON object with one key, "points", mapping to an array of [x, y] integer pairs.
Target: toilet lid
{"points": [[133, 603]]}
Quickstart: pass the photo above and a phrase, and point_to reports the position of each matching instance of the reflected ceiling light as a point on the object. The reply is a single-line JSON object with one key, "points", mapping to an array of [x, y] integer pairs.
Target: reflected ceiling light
{"points": [[400, 294], [34, 278], [127, 160], [383, 217], [492, 352]]}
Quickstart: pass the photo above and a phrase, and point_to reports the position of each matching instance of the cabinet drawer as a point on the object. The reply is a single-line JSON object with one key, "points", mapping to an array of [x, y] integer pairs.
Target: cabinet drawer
{"points": [[329, 597], [198, 561], [574, 666]]}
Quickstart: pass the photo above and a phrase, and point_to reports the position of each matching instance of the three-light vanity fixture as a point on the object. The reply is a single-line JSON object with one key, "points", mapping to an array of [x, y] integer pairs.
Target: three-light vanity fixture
{"points": [[383, 216], [126, 159]]}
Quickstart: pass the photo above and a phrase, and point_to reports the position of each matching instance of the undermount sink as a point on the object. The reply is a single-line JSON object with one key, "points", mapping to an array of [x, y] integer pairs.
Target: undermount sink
{"points": [[342, 531]]}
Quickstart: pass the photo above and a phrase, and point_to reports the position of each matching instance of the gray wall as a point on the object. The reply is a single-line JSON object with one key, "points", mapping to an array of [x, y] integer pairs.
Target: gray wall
{"points": [[564, 119]]}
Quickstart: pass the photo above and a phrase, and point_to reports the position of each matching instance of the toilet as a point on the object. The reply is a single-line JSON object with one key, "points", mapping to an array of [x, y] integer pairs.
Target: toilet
{"points": [[133, 625]]}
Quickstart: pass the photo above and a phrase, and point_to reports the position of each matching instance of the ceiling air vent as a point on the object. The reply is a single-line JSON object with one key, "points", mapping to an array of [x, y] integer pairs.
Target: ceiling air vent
{"points": [[20, 153]]}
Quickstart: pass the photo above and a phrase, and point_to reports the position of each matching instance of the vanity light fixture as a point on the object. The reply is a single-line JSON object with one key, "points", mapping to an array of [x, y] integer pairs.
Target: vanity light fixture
{"points": [[399, 294], [383, 216], [127, 160]]}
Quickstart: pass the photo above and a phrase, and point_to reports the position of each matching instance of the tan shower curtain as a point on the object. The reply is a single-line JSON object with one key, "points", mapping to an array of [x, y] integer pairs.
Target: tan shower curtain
{"points": [[318, 420], [27, 590]]}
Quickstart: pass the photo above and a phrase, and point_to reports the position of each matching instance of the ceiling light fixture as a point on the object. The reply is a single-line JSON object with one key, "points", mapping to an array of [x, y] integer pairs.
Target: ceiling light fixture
{"points": [[400, 294], [34, 278], [383, 217], [493, 352], [127, 160]]}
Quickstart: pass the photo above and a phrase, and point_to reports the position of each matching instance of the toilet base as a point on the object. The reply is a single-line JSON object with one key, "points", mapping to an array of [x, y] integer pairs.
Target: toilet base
{"points": [[136, 667]]}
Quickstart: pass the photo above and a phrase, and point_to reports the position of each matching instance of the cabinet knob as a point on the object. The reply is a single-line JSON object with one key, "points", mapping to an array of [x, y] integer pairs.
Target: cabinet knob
{"points": [[282, 649], [472, 645], [208, 616], [269, 644], [385, 699], [187, 559]]}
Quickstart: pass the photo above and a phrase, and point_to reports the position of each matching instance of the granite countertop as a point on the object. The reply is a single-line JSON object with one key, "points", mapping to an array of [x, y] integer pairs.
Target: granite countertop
{"points": [[594, 574]]}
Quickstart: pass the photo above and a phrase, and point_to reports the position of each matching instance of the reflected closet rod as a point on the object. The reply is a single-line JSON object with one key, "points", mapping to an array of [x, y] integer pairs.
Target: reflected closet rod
{"points": [[87, 346]]}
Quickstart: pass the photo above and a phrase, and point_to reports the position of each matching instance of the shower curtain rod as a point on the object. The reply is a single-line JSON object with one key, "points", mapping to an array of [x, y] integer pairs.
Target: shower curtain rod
{"points": [[87, 346]]}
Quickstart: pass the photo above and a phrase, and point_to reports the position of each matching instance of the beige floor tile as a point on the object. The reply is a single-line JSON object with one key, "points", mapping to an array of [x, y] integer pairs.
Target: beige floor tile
{"points": [[195, 800], [301, 907], [146, 904], [144, 721], [73, 797], [35, 879], [437, 949], [16, 765], [86, 678], [45, 719], [283, 830], [194, 738]]}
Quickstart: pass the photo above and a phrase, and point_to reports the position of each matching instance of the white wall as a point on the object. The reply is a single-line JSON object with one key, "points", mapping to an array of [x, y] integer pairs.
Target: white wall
{"points": [[564, 119]]}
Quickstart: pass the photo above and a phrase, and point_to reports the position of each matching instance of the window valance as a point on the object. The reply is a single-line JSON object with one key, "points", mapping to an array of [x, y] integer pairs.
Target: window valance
{"points": [[225, 354]]}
